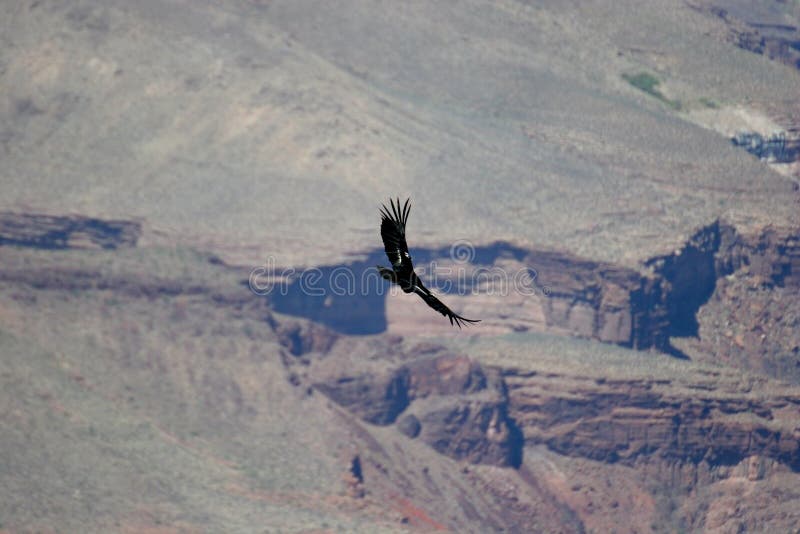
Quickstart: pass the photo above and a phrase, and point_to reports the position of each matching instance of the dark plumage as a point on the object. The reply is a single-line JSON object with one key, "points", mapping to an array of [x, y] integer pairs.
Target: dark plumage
{"points": [[393, 233]]}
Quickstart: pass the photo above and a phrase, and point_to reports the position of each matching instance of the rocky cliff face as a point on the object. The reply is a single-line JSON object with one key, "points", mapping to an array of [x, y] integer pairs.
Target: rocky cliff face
{"points": [[628, 421], [698, 290], [775, 40], [416, 416], [560, 292], [752, 320], [775, 148], [690, 432], [447, 401], [600, 301], [709, 421], [772, 256]]}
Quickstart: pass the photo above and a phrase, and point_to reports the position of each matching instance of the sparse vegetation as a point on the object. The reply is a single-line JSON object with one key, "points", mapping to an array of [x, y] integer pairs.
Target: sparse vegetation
{"points": [[148, 389], [644, 82], [648, 83], [707, 102]]}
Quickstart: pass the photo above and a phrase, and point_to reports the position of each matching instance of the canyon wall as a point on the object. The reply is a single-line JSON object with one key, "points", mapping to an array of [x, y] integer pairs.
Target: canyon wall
{"points": [[559, 292]]}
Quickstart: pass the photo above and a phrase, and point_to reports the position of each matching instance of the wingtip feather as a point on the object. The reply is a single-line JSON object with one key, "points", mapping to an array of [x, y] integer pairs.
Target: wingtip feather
{"points": [[396, 211]]}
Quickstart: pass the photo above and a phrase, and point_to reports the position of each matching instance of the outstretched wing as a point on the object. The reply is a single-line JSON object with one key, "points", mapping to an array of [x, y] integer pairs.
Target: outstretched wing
{"points": [[439, 306], [393, 233]]}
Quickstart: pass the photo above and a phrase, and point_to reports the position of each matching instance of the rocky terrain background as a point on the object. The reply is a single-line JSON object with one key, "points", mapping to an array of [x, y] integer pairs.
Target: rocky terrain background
{"points": [[612, 187]]}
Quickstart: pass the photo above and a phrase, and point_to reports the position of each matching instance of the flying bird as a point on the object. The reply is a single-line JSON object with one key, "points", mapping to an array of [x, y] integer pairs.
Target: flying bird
{"points": [[393, 233]]}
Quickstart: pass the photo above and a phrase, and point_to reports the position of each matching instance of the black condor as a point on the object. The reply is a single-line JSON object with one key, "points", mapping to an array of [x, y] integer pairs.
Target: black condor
{"points": [[393, 233]]}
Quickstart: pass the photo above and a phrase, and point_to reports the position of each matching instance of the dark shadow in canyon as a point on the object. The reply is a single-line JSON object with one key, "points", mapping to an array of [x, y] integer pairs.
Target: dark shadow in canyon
{"points": [[351, 298], [62, 232], [690, 276]]}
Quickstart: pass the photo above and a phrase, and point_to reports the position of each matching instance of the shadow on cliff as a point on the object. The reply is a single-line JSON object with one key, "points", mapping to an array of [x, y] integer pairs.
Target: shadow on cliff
{"points": [[52, 232], [582, 294], [351, 298]]}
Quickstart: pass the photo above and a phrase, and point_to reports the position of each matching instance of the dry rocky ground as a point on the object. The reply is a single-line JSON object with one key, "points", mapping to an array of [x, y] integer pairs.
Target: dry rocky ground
{"points": [[634, 166], [149, 388]]}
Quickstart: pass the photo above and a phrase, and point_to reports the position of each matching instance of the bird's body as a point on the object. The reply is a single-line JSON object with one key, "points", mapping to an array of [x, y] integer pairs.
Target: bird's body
{"points": [[393, 233]]}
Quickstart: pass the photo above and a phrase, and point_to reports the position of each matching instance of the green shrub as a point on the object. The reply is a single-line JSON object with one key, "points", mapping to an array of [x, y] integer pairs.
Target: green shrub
{"points": [[645, 82], [707, 102], [648, 83]]}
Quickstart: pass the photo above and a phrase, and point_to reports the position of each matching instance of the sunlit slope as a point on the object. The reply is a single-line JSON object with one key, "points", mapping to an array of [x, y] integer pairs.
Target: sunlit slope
{"points": [[276, 128]]}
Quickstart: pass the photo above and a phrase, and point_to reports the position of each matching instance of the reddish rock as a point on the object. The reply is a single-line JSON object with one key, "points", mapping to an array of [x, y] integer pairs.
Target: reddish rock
{"points": [[455, 406], [621, 421]]}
